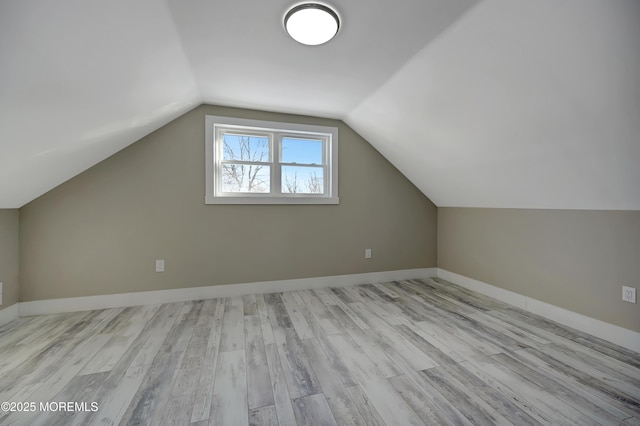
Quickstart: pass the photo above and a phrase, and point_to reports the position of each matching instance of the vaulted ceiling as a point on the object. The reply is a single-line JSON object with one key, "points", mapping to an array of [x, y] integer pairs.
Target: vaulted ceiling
{"points": [[490, 103]]}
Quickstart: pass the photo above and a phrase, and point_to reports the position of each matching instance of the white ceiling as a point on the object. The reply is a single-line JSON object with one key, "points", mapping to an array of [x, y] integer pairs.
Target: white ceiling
{"points": [[523, 104], [502, 103]]}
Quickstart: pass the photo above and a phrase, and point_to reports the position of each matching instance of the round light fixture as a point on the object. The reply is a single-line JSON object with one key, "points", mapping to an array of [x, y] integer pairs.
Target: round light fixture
{"points": [[311, 23]]}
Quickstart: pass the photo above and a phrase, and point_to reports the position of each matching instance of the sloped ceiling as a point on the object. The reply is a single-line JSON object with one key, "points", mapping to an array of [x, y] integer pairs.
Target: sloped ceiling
{"points": [[497, 103], [525, 104]]}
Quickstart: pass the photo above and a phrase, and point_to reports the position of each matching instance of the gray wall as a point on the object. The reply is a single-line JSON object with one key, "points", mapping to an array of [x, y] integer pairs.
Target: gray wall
{"points": [[578, 260], [9, 242], [100, 232]]}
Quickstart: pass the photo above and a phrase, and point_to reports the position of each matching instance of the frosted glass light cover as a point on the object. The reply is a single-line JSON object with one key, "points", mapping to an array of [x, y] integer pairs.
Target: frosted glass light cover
{"points": [[311, 24]]}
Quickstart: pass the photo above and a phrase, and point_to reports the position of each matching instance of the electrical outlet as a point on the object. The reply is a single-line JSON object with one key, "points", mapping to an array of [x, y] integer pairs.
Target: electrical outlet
{"points": [[367, 253], [159, 265], [629, 294]]}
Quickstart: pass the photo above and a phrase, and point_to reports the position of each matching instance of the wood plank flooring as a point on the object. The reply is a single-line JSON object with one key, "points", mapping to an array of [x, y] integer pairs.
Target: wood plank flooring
{"points": [[402, 353]]}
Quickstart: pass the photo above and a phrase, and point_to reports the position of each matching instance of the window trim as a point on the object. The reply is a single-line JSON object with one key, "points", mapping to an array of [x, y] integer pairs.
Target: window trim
{"points": [[213, 161]]}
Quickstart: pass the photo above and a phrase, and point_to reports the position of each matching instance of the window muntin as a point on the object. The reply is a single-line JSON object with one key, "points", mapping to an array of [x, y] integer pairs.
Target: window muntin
{"points": [[259, 162]]}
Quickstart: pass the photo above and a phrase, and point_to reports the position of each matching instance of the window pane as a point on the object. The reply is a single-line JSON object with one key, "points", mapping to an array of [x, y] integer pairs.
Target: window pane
{"points": [[301, 151], [302, 180], [245, 148], [246, 178]]}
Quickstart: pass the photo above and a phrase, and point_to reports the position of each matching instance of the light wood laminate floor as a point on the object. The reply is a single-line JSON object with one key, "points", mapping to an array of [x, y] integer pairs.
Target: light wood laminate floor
{"points": [[403, 353]]}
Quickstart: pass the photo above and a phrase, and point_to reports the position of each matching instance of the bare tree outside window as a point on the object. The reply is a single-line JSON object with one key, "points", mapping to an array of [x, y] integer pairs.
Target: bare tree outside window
{"points": [[314, 183], [301, 180], [238, 172], [291, 184]]}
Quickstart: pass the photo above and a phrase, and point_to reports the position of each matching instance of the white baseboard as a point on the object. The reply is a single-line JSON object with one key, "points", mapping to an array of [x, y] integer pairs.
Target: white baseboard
{"points": [[615, 334], [55, 306], [10, 313]]}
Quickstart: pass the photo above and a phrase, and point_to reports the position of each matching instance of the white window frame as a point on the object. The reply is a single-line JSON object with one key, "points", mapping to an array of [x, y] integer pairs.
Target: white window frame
{"points": [[214, 127]]}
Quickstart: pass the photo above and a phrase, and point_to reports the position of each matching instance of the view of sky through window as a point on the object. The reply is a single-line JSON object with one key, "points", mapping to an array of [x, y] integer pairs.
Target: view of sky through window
{"points": [[303, 151]]}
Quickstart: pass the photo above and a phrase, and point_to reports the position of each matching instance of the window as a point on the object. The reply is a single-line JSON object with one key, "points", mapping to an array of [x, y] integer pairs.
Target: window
{"points": [[265, 162]]}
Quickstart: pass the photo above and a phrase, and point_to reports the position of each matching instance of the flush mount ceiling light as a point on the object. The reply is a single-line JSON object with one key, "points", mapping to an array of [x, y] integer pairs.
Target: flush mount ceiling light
{"points": [[311, 23]]}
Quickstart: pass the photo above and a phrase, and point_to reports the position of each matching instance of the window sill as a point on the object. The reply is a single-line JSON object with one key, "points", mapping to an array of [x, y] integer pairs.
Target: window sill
{"points": [[271, 200]]}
